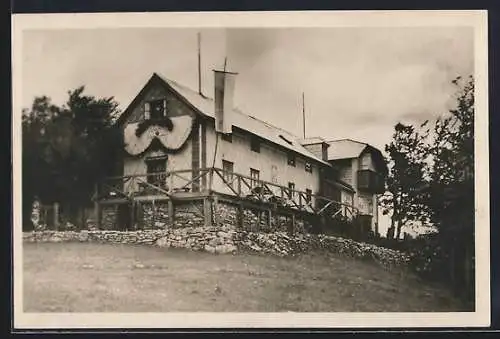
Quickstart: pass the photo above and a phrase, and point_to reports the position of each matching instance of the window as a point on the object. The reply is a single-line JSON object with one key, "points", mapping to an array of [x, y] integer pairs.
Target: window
{"points": [[308, 195], [155, 109], [291, 189], [274, 174], [366, 161], [254, 175], [228, 168], [156, 170], [255, 144], [291, 159], [227, 137], [308, 167]]}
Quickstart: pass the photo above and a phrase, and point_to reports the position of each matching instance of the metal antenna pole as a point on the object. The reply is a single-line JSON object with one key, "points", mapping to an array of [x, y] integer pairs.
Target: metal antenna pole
{"points": [[303, 115]]}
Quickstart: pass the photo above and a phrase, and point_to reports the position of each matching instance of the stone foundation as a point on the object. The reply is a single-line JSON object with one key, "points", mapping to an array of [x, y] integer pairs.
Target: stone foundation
{"points": [[152, 215], [189, 214], [255, 220], [108, 217]]}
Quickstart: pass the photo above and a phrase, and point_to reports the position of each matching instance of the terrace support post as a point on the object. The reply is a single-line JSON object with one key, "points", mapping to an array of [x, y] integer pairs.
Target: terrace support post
{"points": [[269, 219], [153, 221], [171, 213], [56, 216], [207, 209], [97, 207], [132, 213], [210, 180], [292, 228], [171, 186], [214, 210]]}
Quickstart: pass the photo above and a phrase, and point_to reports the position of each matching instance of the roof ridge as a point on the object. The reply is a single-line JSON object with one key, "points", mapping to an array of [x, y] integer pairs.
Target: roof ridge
{"points": [[267, 123], [235, 109], [274, 130], [349, 139]]}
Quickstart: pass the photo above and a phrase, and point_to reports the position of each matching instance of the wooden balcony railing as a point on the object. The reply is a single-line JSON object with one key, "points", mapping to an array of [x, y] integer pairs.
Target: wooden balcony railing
{"points": [[177, 183]]}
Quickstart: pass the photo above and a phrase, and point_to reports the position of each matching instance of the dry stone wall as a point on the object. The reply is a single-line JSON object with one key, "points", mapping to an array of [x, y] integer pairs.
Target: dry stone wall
{"points": [[227, 239], [256, 234]]}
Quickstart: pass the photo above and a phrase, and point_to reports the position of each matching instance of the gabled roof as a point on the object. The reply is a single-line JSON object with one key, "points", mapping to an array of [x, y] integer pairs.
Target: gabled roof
{"points": [[345, 149], [206, 107], [349, 149]]}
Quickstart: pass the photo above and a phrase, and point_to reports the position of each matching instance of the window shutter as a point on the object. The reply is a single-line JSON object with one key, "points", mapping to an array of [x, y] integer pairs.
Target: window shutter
{"points": [[147, 109]]}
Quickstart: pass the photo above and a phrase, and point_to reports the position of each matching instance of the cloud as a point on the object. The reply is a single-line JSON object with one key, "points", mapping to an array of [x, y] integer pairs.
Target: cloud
{"points": [[358, 82], [355, 79]]}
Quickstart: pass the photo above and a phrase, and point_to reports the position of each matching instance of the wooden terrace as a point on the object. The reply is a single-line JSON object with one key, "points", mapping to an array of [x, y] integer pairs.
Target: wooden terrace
{"points": [[208, 183]]}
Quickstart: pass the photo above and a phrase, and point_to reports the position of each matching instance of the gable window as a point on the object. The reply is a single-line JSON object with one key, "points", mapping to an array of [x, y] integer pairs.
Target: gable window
{"points": [[228, 168], [366, 161], [255, 144], [291, 159], [255, 176], [155, 109], [227, 137], [157, 171], [291, 190], [308, 167], [308, 195]]}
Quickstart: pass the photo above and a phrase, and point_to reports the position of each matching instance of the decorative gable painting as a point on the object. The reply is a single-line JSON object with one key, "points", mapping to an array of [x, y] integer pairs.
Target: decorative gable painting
{"points": [[158, 131]]}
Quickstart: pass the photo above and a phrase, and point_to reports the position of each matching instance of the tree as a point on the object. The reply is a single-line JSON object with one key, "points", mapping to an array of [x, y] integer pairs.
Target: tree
{"points": [[452, 175], [67, 149], [432, 177], [451, 188], [406, 162]]}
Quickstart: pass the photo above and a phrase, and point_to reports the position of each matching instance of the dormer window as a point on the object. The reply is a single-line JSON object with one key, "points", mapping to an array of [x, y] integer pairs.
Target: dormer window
{"points": [[155, 109], [255, 144]]}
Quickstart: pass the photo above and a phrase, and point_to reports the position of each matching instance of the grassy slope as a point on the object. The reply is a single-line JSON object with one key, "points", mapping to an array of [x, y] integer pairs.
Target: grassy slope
{"points": [[107, 278]]}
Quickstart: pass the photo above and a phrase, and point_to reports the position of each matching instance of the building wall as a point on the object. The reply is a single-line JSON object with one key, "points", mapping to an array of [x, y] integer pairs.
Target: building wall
{"points": [[271, 162], [345, 173], [175, 161], [366, 203], [347, 198], [182, 159]]}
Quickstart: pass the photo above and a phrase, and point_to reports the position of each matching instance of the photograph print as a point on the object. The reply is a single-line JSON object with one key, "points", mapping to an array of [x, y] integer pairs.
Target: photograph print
{"points": [[304, 168]]}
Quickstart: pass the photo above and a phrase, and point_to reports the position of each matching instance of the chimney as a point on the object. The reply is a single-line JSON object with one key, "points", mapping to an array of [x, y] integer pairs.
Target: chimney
{"points": [[317, 146], [223, 97]]}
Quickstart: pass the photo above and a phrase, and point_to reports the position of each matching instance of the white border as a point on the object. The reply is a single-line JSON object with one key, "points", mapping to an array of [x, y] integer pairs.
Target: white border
{"points": [[476, 19]]}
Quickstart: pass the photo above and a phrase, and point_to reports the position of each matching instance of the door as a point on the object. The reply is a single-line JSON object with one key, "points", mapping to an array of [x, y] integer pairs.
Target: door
{"points": [[156, 169], [123, 217]]}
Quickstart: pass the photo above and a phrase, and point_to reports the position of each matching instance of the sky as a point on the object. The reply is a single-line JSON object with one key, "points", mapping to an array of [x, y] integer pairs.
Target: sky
{"points": [[358, 81]]}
